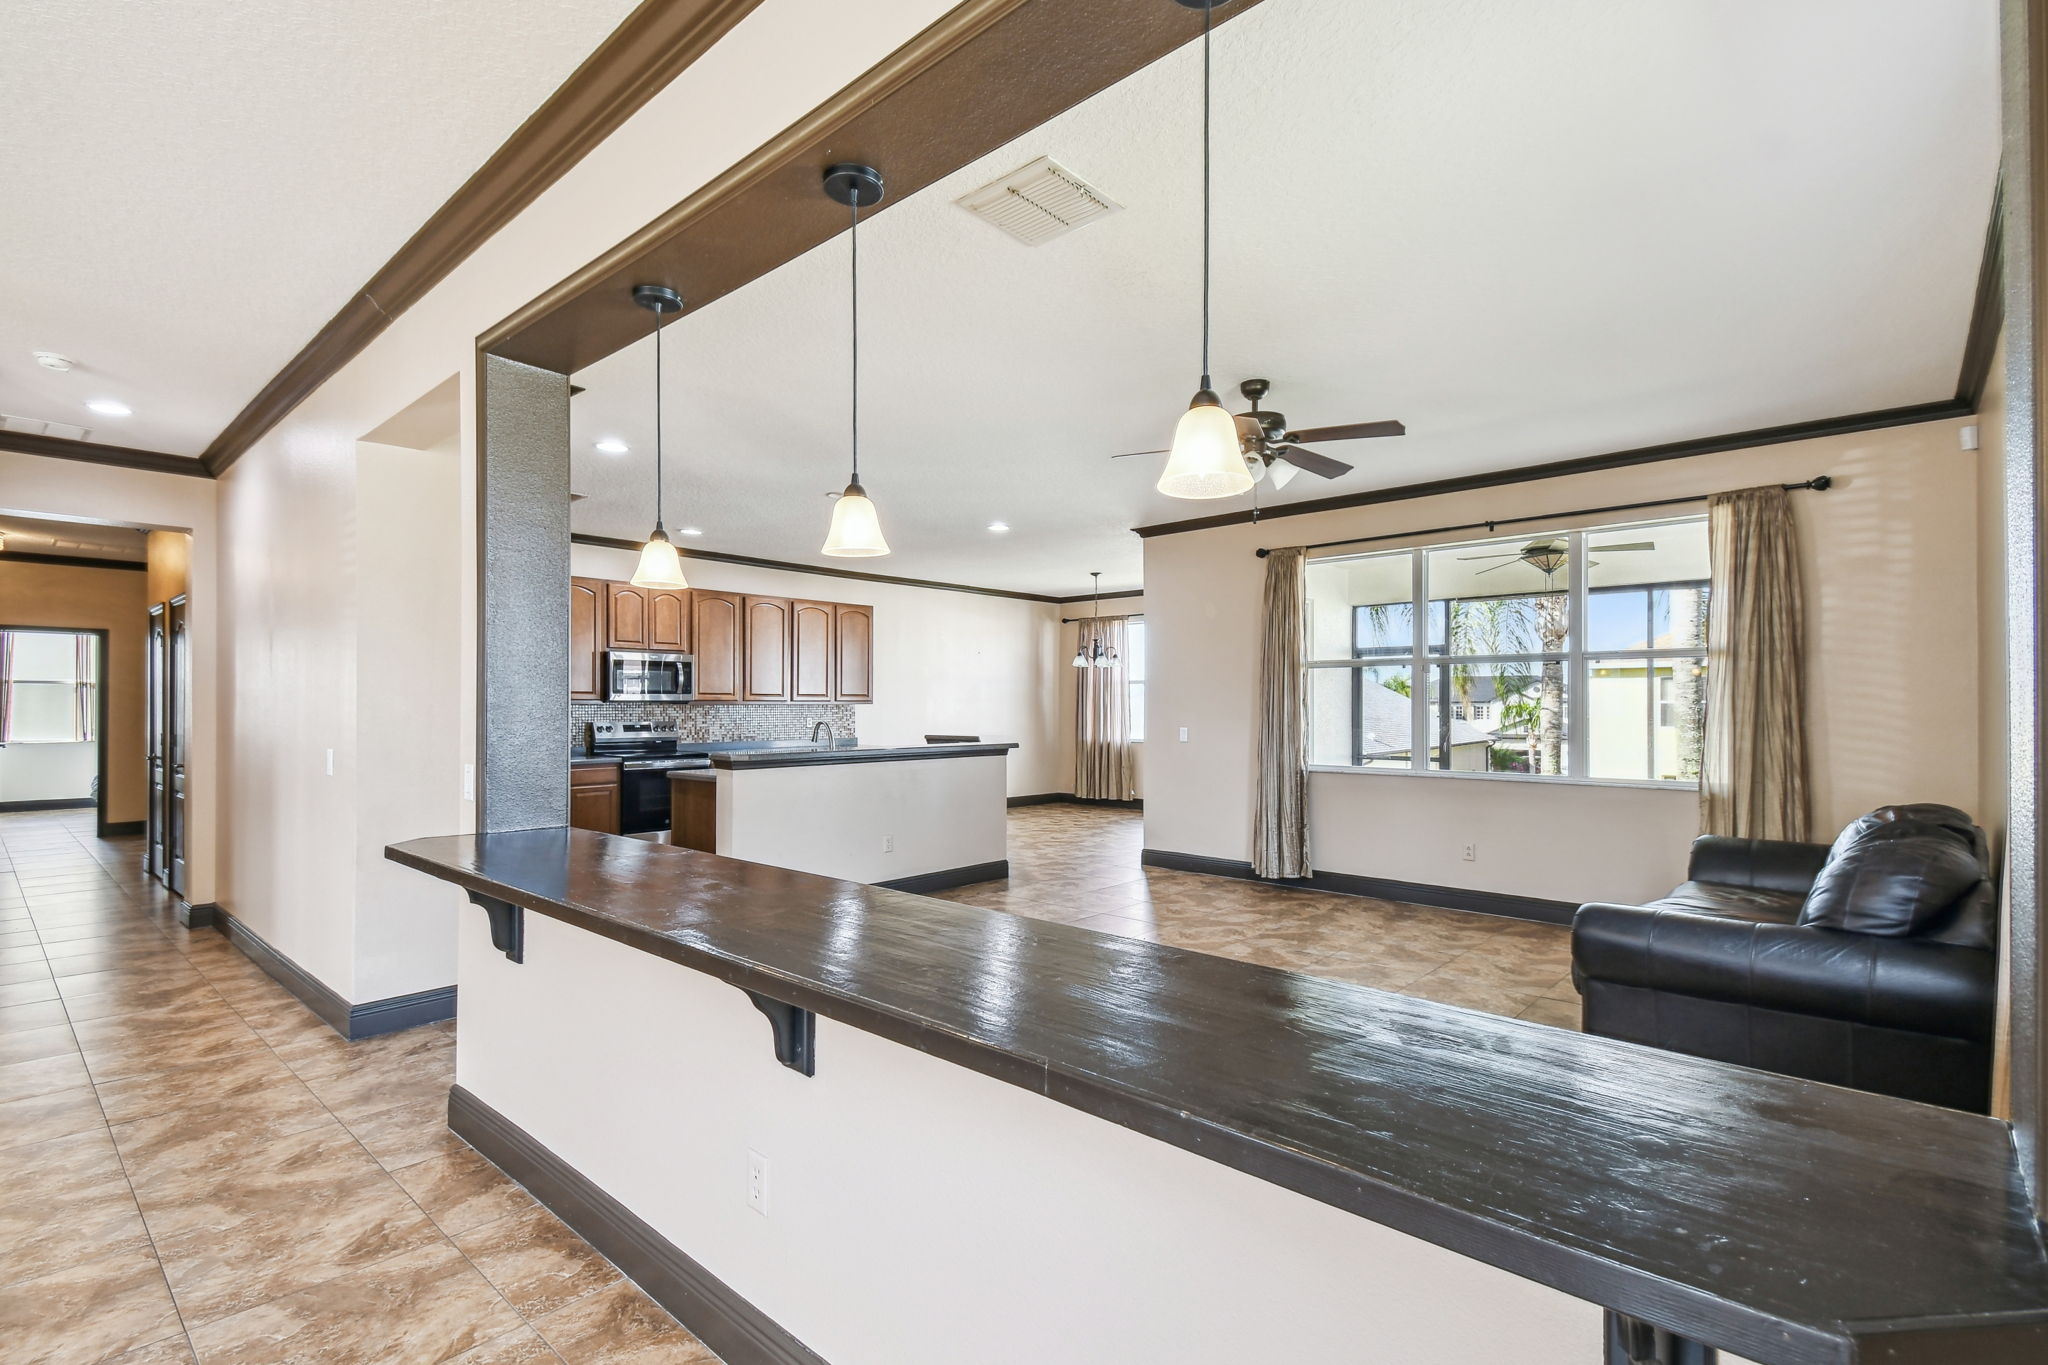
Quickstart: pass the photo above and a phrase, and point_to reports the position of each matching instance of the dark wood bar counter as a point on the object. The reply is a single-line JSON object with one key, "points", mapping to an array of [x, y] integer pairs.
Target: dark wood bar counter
{"points": [[1791, 1222]]}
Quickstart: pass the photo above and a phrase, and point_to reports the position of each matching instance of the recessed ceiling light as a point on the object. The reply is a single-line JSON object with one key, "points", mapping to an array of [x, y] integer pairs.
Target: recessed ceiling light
{"points": [[110, 407], [999, 526], [691, 531], [50, 360], [612, 445]]}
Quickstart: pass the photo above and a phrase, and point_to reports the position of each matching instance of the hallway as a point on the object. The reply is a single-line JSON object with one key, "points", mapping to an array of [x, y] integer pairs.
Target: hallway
{"points": [[195, 1168]]}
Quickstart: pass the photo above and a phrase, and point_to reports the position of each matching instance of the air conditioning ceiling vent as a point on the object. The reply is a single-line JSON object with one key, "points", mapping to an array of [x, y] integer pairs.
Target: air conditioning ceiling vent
{"points": [[31, 426], [1038, 202]]}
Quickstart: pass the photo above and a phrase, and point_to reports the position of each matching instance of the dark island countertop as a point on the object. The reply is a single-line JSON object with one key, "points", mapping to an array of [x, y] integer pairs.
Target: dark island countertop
{"points": [[803, 758], [1791, 1222]]}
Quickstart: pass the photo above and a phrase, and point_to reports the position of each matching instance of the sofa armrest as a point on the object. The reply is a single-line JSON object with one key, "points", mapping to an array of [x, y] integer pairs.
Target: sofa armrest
{"points": [[1766, 864], [1887, 982]]}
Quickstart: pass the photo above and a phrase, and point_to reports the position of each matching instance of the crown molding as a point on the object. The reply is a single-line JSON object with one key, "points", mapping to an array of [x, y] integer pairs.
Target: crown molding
{"points": [[93, 452]]}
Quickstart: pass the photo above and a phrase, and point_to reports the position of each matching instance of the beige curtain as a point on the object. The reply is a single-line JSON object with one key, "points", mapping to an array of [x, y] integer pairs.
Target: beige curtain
{"points": [[1103, 767], [1280, 816], [1753, 764]]}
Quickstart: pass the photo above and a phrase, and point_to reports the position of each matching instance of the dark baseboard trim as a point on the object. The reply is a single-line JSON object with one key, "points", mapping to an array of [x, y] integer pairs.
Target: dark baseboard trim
{"points": [[352, 1022], [926, 882], [120, 828], [1068, 798], [55, 803], [397, 1012], [205, 915], [1378, 888], [739, 1332]]}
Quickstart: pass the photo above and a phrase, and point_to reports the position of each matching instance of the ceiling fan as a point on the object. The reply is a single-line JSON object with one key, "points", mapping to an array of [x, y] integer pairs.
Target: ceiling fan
{"points": [[1269, 446], [1548, 556]]}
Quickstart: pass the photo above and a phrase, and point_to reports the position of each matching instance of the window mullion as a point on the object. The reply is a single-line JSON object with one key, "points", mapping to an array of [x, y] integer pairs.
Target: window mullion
{"points": [[1418, 670], [1577, 741]]}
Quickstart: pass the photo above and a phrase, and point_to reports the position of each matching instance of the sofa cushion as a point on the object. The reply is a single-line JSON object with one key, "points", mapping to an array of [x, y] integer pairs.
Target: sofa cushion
{"points": [[1749, 904], [1898, 871]]}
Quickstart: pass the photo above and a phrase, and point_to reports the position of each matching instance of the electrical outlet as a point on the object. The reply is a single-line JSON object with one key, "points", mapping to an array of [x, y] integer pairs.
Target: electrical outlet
{"points": [[330, 762], [1183, 734], [757, 1182], [888, 843], [1471, 853], [469, 781]]}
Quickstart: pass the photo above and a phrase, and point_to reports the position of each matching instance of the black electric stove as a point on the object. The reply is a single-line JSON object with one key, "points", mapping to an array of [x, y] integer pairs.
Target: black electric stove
{"points": [[646, 756]]}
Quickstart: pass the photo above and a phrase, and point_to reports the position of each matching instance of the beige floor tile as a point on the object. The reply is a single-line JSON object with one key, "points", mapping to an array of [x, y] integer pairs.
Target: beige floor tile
{"points": [[408, 1134], [461, 1190], [424, 1306], [523, 1347], [41, 1076], [620, 1326], [244, 1076], [535, 1261], [54, 1114], [28, 1045], [88, 1312]]}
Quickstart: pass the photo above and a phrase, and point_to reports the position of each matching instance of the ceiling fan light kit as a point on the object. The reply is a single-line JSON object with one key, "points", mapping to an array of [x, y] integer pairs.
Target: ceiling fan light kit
{"points": [[1207, 460], [856, 530], [660, 566]]}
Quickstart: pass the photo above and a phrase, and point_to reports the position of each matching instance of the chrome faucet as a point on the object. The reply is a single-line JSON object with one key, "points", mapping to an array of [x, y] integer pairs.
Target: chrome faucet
{"points": [[826, 726]]}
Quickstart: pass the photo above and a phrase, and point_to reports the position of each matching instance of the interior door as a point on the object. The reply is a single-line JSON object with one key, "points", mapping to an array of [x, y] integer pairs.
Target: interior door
{"points": [[716, 628], [854, 651], [155, 740], [810, 651], [178, 708], [767, 649]]}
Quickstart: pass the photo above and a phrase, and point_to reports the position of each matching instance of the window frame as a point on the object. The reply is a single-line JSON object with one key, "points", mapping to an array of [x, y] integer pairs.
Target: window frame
{"points": [[1134, 674], [1576, 657]]}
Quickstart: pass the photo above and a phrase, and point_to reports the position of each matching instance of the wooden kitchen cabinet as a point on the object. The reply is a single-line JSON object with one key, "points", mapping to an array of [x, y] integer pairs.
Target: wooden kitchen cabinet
{"points": [[853, 649], [811, 637], [586, 638], [668, 620], [594, 797], [626, 625], [767, 649], [718, 626], [693, 811]]}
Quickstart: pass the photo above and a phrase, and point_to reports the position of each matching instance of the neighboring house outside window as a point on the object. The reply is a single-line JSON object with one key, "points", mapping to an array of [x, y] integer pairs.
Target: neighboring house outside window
{"points": [[1134, 674], [1568, 654]]}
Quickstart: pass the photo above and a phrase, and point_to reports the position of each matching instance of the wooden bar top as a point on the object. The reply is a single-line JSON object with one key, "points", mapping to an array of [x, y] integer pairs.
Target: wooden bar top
{"points": [[745, 759], [1788, 1221]]}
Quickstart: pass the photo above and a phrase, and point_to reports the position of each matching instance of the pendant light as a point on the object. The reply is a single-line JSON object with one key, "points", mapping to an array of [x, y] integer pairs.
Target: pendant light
{"points": [[659, 566], [1207, 459], [856, 530], [1102, 656]]}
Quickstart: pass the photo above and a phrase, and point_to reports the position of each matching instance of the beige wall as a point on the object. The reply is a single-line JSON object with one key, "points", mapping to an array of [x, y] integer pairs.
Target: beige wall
{"points": [[71, 491], [113, 600], [1890, 555], [945, 662], [170, 565]]}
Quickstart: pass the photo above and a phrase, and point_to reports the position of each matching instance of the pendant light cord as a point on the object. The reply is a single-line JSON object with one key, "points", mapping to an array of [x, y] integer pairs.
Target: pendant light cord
{"points": [[657, 419], [854, 233], [1208, 19]]}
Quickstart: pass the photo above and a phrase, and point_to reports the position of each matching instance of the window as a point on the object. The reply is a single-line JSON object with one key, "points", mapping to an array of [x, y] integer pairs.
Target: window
{"points": [[47, 686], [1134, 674], [1566, 654]]}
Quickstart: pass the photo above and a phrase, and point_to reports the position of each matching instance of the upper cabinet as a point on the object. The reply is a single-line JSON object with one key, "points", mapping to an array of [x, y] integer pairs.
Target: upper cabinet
{"points": [[811, 636], [626, 606], [746, 648], [854, 651], [586, 638], [717, 624], [767, 649]]}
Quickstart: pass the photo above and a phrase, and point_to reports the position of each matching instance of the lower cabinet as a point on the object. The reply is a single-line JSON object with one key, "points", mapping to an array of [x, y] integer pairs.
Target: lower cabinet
{"points": [[693, 812], [594, 797]]}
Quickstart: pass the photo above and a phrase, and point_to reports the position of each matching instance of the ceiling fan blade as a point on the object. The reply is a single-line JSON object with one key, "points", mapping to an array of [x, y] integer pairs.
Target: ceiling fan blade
{"points": [[1129, 453], [1313, 461], [1357, 431], [1511, 554], [1496, 568], [1639, 545]]}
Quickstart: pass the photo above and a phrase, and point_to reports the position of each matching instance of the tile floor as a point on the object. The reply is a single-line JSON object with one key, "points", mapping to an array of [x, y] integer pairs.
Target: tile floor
{"points": [[193, 1168], [1079, 864]]}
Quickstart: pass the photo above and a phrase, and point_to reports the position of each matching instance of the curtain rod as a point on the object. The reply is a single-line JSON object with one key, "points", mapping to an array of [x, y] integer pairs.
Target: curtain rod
{"points": [[1819, 484]]}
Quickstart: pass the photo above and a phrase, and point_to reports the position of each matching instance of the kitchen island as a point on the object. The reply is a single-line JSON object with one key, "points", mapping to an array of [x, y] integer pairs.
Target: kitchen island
{"points": [[917, 818]]}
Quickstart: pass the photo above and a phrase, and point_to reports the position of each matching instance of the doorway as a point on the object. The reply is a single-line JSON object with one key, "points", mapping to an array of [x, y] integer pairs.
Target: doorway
{"points": [[53, 719]]}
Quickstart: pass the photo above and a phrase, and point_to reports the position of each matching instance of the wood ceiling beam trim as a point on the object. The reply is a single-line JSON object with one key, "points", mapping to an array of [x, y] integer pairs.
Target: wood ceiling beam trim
{"points": [[93, 452], [656, 43]]}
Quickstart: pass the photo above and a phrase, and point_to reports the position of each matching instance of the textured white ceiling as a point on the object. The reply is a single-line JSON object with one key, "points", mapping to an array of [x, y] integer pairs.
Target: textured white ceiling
{"points": [[1529, 231], [191, 190]]}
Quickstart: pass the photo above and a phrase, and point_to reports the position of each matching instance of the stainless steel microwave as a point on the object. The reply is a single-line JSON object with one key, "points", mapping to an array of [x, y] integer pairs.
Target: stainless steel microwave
{"points": [[636, 675]]}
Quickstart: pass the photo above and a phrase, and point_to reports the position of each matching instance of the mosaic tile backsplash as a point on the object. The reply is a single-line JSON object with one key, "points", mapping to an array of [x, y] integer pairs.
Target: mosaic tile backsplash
{"points": [[723, 724]]}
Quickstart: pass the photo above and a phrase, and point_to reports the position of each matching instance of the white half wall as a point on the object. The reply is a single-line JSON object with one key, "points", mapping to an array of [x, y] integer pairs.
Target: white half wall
{"points": [[1889, 556], [48, 772], [946, 663]]}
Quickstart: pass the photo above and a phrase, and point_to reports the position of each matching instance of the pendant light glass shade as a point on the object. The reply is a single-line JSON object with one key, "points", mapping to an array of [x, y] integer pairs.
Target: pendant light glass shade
{"points": [[1081, 657], [660, 566], [1207, 461], [856, 531]]}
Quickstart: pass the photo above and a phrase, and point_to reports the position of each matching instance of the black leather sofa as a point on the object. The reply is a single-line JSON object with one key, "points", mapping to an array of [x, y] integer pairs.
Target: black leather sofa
{"points": [[1870, 963]]}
